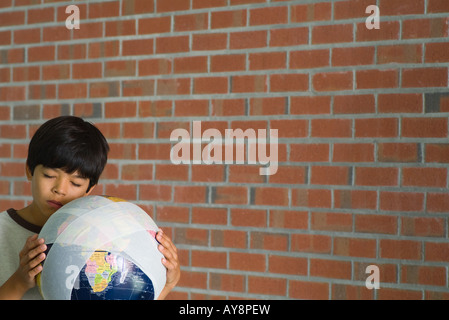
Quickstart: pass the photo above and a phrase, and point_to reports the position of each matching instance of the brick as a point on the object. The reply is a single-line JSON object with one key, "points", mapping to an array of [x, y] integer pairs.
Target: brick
{"points": [[437, 152], [398, 152], [423, 226], [324, 175], [309, 152], [268, 106], [289, 82], [175, 5], [137, 172], [216, 216], [289, 175], [389, 30], [209, 85], [314, 198], [190, 22], [409, 53], [354, 152], [214, 41], [249, 217], [400, 249], [267, 60], [367, 176], [436, 102], [228, 19], [229, 195], [191, 108], [330, 268], [190, 64], [350, 247], [87, 70], [424, 275], [209, 259], [289, 37], [119, 68], [355, 199], [288, 219], [222, 63], [350, 292], [424, 177], [371, 223], [290, 128], [154, 25], [190, 194], [140, 47], [171, 44], [249, 83], [247, 261], [436, 6], [311, 12], [401, 201], [401, 7], [351, 9], [376, 127], [335, 128], [306, 59], [400, 103], [336, 33], [333, 81], [72, 90], [89, 30], [310, 105], [229, 238], [308, 290], [375, 79], [424, 127], [227, 282], [120, 28], [424, 77], [192, 236], [270, 196], [436, 251], [363, 103], [269, 15], [425, 28], [352, 56], [287, 265], [248, 39], [155, 67], [44, 53], [132, 7], [332, 221], [269, 241], [311, 243], [12, 18]]}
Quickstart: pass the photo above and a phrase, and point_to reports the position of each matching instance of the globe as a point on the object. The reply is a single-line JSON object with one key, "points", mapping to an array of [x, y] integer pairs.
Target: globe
{"points": [[101, 248]]}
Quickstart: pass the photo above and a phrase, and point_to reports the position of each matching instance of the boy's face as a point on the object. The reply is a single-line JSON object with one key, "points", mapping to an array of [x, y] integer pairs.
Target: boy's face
{"points": [[53, 188]]}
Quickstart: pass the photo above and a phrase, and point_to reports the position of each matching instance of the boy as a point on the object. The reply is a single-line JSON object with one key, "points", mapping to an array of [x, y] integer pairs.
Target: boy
{"points": [[66, 157]]}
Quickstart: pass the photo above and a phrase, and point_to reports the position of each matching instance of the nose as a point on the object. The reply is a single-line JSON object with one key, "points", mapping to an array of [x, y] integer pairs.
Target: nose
{"points": [[60, 187]]}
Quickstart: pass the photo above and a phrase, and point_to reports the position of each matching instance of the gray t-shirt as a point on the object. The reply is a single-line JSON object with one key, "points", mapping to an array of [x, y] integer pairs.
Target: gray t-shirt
{"points": [[14, 231]]}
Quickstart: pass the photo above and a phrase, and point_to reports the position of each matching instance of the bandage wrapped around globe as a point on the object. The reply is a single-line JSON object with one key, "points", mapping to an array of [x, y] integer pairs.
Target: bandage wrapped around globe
{"points": [[101, 248]]}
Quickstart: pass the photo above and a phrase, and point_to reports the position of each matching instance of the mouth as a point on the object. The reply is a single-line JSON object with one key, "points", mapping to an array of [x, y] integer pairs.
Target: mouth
{"points": [[54, 204]]}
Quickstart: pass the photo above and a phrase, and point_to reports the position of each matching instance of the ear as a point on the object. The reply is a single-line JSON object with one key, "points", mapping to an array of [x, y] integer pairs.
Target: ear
{"points": [[28, 173]]}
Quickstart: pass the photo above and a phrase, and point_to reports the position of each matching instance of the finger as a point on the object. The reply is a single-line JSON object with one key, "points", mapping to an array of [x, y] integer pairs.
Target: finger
{"points": [[36, 263], [31, 243], [34, 253], [166, 241]]}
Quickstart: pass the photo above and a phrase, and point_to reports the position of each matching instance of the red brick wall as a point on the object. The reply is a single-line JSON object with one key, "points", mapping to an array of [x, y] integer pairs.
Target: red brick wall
{"points": [[362, 120]]}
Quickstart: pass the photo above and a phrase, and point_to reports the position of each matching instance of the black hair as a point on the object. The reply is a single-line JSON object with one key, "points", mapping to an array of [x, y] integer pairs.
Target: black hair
{"points": [[71, 144]]}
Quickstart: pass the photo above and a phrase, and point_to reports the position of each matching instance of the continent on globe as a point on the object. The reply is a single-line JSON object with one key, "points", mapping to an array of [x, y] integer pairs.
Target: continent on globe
{"points": [[99, 270]]}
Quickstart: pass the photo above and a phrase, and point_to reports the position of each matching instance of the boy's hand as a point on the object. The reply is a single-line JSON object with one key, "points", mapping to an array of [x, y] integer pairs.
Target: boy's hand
{"points": [[170, 261], [31, 257], [23, 279]]}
